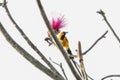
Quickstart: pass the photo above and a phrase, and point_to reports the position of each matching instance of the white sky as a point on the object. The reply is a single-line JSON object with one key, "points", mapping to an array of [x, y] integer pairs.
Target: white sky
{"points": [[83, 24]]}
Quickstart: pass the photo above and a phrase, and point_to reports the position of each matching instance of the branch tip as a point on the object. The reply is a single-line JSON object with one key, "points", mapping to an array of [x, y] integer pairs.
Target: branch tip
{"points": [[103, 36], [101, 12]]}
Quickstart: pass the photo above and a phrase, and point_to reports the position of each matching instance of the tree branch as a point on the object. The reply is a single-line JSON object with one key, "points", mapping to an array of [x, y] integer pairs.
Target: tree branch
{"points": [[109, 76], [60, 65], [103, 15], [103, 36], [28, 40], [3, 3], [56, 40], [27, 56], [76, 67], [84, 74]]}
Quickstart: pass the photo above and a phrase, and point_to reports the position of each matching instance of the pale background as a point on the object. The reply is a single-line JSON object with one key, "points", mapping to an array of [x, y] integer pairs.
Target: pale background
{"points": [[82, 23]]}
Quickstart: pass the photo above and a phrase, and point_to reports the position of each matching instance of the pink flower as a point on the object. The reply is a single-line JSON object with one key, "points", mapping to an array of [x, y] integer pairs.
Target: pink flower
{"points": [[58, 23]]}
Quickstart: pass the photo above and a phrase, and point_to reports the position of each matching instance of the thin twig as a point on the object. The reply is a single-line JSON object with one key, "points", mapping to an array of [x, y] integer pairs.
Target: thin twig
{"points": [[110, 76], [103, 36], [63, 71], [86, 73], [56, 40], [60, 65], [90, 77], [102, 13], [27, 56], [76, 67], [28, 40]]}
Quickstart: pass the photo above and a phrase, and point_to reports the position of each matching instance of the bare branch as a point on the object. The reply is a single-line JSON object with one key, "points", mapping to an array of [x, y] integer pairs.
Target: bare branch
{"points": [[63, 71], [76, 67], [3, 3], [60, 65], [56, 40], [28, 40], [103, 15], [27, 56], [103, 36], [84, 75], [110, 76]]}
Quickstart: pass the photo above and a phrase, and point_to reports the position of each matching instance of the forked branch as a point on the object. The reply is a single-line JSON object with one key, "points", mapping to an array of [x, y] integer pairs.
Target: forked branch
{"points": [[102, 13], [27, 56], [30, 43], [60, 65]]}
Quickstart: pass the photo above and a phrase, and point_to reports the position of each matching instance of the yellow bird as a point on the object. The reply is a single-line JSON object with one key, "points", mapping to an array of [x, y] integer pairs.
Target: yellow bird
{"points": [[63, 40]]}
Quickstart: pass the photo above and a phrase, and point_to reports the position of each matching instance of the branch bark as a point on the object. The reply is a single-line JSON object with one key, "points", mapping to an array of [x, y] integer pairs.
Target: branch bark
{"points": [[27, 56], [28, 40], [103, 36], [56, 40], [103, 15], [84, 75]]}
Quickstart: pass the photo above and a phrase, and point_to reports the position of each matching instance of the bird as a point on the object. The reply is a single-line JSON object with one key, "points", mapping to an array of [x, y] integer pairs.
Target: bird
{"points": [[64, 41]]}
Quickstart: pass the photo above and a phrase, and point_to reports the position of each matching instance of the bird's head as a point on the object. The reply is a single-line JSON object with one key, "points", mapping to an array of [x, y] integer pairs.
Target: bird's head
{"points": [[62, 35]]}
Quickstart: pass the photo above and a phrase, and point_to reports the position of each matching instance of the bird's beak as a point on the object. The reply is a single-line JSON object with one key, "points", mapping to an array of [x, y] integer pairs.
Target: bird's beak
{"points": [[65, 32]]}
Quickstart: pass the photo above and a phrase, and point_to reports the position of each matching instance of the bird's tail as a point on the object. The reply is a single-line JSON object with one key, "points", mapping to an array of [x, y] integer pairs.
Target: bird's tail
{"points": [[69, 51]]}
